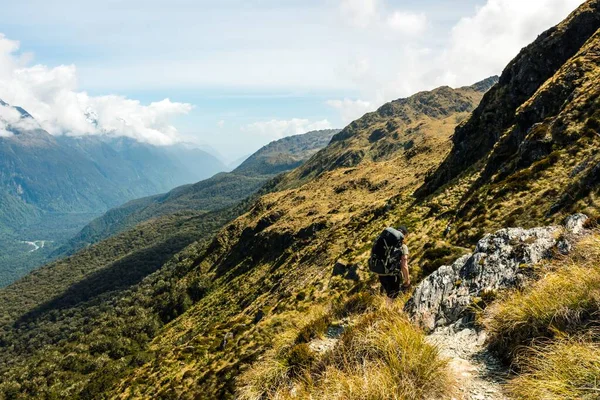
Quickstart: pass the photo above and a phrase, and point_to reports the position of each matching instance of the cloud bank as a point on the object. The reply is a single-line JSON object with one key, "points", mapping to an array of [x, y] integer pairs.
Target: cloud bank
{"points": [[11, 118], [478, 46], [50, 95], [277, 129], [487, 41]]}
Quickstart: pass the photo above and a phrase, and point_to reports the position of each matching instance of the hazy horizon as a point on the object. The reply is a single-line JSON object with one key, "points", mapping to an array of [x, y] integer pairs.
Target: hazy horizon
{"points": [[236, 75]]}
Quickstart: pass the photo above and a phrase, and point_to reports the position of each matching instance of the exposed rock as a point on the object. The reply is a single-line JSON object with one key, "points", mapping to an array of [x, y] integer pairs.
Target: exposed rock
{"points": [[260, 314], [331, 338], [574, 223], [444, 296], [349, 272], [352, 273], [339, 269], [228, 337]]}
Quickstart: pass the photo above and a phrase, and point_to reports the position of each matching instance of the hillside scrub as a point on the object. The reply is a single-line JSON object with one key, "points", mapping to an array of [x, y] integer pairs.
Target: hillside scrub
{"points": [[564, 370], [549, 331], [566, 301], [382, 355]]}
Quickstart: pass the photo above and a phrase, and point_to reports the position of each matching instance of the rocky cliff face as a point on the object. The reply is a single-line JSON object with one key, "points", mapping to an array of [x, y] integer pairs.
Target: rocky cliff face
{"points": [[500, 260], [501, 108]]}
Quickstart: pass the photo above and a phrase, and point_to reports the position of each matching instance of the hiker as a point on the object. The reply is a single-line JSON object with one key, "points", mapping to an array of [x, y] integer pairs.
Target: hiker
{"points": [[389, 259]]}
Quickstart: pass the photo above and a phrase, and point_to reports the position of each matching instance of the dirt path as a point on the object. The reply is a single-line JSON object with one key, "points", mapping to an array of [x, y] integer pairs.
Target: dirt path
{"points": [[479, 374]]}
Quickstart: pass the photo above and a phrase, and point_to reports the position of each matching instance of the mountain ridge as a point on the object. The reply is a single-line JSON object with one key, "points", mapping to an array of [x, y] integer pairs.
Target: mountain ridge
{"points": [[51, 186], [240, 309], [220, 191]]}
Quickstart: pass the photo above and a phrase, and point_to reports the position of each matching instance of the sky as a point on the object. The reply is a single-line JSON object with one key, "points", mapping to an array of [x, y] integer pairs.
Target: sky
{"points": [[237, 74]]}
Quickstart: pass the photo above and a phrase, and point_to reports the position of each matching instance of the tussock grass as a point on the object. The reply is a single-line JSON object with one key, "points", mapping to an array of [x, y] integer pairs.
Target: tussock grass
{"points": [[565, 370], [566, 301], [550, 331], [382, 356]]}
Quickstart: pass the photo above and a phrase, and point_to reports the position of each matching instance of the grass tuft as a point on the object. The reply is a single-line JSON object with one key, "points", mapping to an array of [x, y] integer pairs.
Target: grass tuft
{"points": [[566, 301], [381, 356], [565, 370]]}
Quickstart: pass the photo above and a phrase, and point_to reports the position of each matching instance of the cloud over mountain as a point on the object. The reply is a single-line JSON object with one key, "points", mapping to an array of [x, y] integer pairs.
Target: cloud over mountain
{"points": [[51, 95], [475, 47]]}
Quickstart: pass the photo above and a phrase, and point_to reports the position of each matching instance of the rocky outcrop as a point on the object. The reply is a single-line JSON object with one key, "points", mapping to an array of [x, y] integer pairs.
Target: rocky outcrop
{"points": [[498, 262], [521, 79]]}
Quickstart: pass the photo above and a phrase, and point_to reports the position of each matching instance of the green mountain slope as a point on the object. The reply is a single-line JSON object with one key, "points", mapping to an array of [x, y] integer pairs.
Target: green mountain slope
{"points": [[273, 266], [81, 299], [50, 187], [300, 247], [217, 192]]}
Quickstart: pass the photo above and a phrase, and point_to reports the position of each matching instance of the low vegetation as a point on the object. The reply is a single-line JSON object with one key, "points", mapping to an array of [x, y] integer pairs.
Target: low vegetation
{"points": [[562, 370], [381, 355], [549, 331]]}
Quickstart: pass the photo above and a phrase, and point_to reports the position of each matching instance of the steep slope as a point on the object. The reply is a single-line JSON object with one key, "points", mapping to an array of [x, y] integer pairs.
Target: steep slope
{"points": [[507, 113], [194, 326], [276, 263], [50, 187], [219, 191], [152, 303], [397, 126], [285, 154], [277, 259]]}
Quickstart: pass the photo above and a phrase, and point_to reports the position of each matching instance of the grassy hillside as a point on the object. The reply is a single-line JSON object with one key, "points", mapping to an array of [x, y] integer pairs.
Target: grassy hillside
{"points": [[285, 154], [174, 288], [276, 261], [220, 191], [549, 331], [50, 187], [234, 315]]}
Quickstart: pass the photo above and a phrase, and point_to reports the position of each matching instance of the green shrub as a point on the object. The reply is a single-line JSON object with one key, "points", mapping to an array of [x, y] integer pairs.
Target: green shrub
{"points": [[314, 329], [299, 358], [358, 303], [433, 258]]}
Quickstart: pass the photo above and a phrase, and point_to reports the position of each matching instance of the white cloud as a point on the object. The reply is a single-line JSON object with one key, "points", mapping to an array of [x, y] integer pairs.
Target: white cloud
{"points": [[484, 43], [277, 129], [376, 14], [221, 124], [50, 95], [407, 23], [476, 47], [11, 118], [351, 109], [359, 13]]}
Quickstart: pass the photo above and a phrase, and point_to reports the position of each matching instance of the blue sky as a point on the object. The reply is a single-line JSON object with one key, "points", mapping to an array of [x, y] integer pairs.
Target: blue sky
{"points": [[242, 73]]}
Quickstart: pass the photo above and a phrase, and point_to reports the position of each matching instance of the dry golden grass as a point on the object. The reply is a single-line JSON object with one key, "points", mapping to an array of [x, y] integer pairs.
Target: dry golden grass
{"points": [[550, 330], [564, 301], [382, 356], [565, 370]]}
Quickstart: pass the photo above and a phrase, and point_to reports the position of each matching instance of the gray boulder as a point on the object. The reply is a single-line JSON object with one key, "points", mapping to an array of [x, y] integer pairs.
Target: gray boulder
{"points": [[497, 263]]}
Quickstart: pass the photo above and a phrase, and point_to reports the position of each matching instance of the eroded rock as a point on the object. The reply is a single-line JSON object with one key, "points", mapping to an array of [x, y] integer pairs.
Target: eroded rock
{"points": [[497, 263]]}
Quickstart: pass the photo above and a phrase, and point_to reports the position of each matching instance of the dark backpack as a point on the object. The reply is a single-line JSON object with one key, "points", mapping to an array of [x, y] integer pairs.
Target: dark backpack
{"points": [[386, 252]]}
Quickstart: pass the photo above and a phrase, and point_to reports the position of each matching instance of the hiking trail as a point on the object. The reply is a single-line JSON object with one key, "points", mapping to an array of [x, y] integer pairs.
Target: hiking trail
{"points": [[478, 373]]}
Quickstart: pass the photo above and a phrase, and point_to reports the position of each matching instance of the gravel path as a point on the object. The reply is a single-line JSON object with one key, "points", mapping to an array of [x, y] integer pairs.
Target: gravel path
{"points": [[480, 375]]}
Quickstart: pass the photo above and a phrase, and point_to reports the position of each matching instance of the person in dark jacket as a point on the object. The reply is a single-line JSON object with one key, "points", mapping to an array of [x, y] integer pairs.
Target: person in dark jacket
{"points": [[393, 285]]}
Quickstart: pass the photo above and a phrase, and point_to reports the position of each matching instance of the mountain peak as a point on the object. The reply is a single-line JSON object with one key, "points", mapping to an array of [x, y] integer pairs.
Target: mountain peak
{"points": [[486, 84], [520, 80]]}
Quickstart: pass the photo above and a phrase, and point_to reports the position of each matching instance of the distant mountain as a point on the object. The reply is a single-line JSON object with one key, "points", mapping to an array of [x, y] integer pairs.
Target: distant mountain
{"points": [[280, 303], [237, 162], [50, 186], [285, 154], [217, 192]]}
